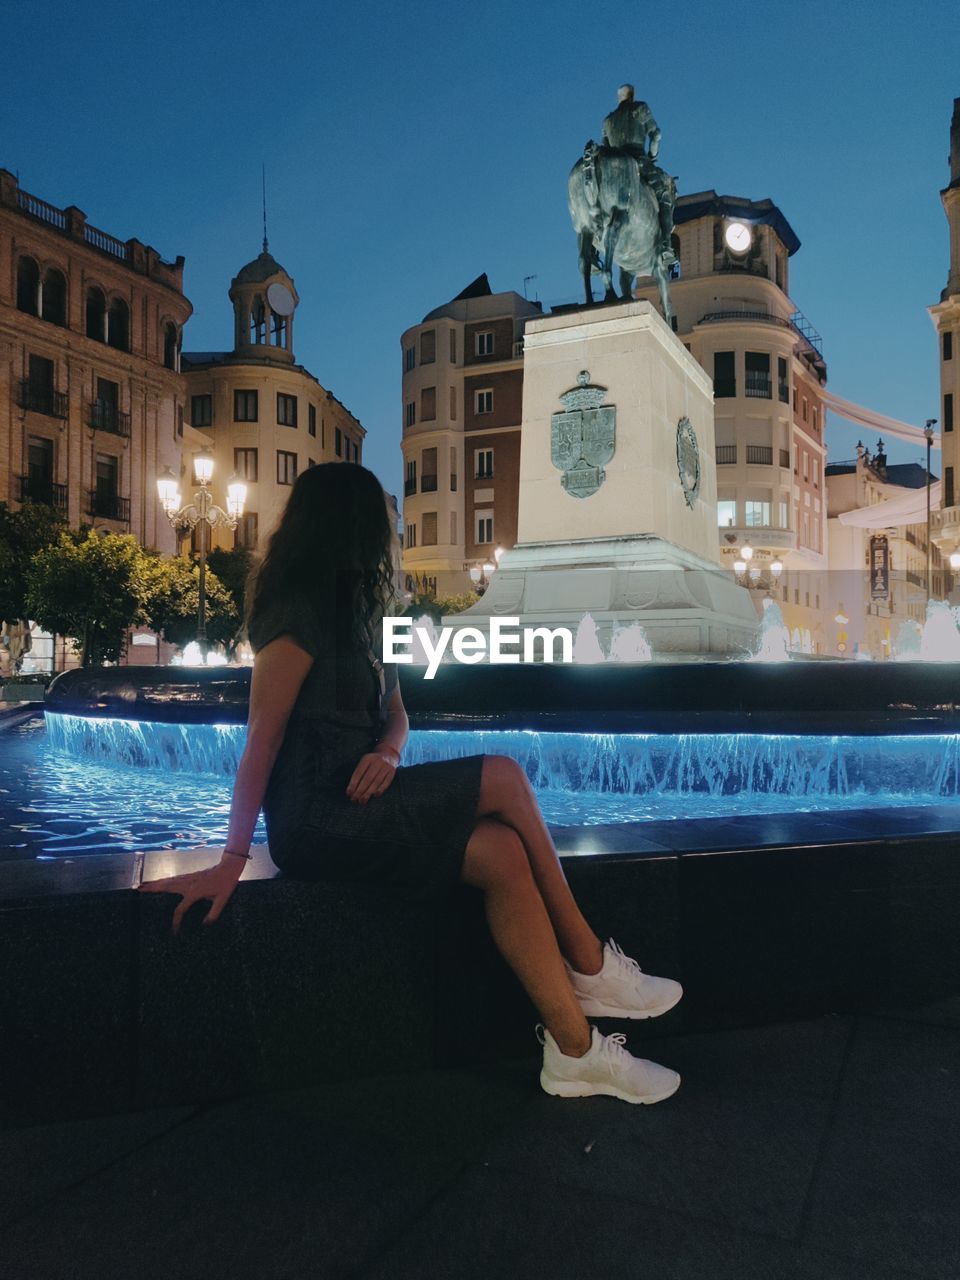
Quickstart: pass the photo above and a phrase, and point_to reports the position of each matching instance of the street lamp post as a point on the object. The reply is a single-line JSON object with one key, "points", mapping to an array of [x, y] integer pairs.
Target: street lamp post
{"points": [[204, 512], [480, 574]]}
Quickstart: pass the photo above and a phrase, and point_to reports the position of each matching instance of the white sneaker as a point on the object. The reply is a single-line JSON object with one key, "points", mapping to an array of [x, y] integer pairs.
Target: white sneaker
{"points": [[606, 1068], [622, 990]]}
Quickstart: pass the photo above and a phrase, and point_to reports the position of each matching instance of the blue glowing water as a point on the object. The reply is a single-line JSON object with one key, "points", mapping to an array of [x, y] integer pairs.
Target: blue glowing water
{"points": [[87, 785]]}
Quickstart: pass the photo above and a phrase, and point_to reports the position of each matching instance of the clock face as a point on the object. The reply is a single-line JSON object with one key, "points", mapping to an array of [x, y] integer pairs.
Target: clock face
{"points": [[280, 299], [738, 237]]}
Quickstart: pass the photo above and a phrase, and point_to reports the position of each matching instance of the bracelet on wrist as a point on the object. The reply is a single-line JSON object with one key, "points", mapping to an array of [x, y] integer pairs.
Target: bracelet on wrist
{"points": [[237, 854], [385, 746]]}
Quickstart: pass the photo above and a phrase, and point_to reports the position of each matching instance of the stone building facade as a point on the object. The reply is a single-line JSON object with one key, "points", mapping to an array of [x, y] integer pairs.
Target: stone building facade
{"points": [[269, 418], [462, 408], [878, 574], [734, 314], [91, 395], [946, 317]]}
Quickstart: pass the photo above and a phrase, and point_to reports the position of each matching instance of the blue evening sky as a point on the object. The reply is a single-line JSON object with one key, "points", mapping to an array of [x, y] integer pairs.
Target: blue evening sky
{"points": [[410, 147]]}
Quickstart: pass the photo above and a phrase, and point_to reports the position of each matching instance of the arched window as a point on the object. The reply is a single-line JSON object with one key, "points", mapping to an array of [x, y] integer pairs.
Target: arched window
{"points": [[279, 330], [118, 325], [96, 315], [258, 321], [28, 286], [171, 346], [54, 301]]}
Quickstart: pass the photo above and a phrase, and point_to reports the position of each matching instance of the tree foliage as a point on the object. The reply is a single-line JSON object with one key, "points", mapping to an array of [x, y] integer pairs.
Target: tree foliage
{"points": [[172, 602], [90, 586], [22, 534], [233, 568]]}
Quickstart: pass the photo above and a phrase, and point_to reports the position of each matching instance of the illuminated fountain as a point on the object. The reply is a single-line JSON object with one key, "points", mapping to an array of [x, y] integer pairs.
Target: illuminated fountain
{"points": [[586, 642], [774, 643], [630, 644], [940, 641]]}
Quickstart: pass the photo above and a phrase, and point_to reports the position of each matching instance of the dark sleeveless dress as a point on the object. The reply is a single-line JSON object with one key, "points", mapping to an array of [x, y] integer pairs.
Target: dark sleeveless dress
{"points": [[413, 837]]}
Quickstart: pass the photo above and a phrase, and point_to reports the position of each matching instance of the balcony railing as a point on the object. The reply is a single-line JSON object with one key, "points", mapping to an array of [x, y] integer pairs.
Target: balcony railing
{"points": [[726, 453], [483, 475], [760, 453], [39, 209], [40, 399], [39, 489], [724, 388], [428, 484], [105, 416], [518, 350], [409, 486], [109, 506], [759, 385]]}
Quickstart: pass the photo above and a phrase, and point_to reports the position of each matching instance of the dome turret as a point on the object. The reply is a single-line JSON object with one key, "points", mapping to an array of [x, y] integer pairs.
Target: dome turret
{"points": [[264, 299]]}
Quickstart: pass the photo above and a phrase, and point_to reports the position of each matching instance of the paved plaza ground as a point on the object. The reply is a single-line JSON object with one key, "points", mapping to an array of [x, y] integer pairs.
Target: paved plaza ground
{"points": [[814, 1150]]}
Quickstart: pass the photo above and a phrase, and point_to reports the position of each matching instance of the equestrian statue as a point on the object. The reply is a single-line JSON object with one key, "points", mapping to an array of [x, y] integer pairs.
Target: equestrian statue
{"points": [[621, 203]]}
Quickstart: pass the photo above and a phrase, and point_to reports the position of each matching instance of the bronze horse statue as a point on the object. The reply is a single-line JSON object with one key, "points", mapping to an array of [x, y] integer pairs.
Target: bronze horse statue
{"points": [[616, 216]]}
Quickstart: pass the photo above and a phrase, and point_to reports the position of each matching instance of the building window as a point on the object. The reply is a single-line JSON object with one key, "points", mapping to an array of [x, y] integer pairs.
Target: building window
{"points": [[53, 298], [948, 412], [179, 419], [257, 322], [410, 414], [428, 528], [286, 467], [726, 513], [410, 483], [948, 486], [245, 534], [483, 401], [312, 419], [484, 526], [756, 514], [96, 315], [104, 501], [246, 464], [106, 407], [453, 404], [784, 516], [428, 404], [409, 358], [410, 537], [783, 381], [453, 471], [428, 477], [757, 372], [724, 375], [28, 286], [484, 342], [816, 419], [118, 325], [806, 465], [171, 346], [201, 410], [453, 346], [483, 460], [245, 406], [947, 344], [286, 410], [453, 526], [428, 346], [338, 442]]}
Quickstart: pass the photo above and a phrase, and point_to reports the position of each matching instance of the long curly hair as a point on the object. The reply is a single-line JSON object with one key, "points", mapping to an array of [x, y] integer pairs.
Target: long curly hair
{"points": [[333, 548]]}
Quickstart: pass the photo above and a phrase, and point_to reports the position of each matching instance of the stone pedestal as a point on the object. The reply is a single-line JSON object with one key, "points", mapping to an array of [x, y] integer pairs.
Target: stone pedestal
{"points": [[618, 495]]}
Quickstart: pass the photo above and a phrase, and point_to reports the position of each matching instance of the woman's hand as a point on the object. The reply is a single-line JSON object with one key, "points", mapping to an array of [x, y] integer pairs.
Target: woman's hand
{"points": [[373, 775], [212, 884]]}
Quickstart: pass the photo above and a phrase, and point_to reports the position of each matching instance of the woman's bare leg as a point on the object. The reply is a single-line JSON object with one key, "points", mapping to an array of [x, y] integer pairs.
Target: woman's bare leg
{"points": [[496, 862], [506, 795]]}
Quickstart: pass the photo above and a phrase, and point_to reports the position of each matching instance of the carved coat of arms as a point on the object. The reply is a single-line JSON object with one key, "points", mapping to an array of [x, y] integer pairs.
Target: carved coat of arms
{"points": [[583, 438], [688, 460]]}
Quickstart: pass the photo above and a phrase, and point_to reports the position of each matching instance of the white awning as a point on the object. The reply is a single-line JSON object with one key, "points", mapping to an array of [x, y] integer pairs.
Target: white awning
{"points": [[878, 422], [908, 507]]}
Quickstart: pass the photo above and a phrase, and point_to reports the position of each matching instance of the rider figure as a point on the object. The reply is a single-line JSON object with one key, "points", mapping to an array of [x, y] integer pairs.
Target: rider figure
{"points": [[627, 129]]}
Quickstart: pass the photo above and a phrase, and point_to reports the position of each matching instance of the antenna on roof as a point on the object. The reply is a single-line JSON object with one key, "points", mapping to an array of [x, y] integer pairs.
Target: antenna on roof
{"points": [[526, 281], [263, 176]]}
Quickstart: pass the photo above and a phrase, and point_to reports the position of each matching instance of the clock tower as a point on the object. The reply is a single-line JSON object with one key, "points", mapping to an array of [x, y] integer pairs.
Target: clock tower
{"points": [[946, 316], [264, 299]]}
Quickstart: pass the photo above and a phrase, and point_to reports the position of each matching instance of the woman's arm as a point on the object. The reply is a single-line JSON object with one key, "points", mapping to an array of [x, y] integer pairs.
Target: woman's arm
{"points": [[279, 671], [375, 771]]}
